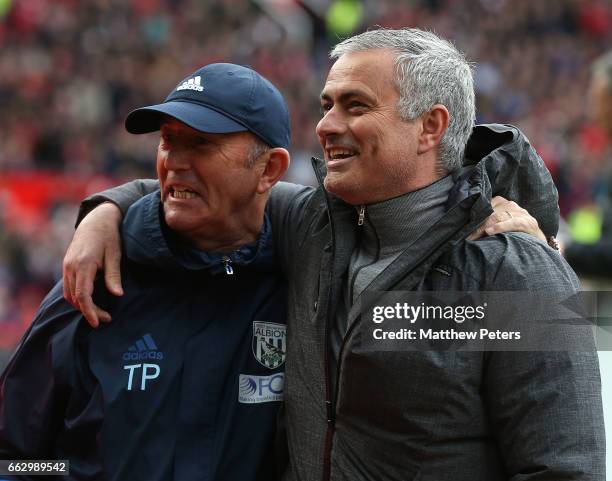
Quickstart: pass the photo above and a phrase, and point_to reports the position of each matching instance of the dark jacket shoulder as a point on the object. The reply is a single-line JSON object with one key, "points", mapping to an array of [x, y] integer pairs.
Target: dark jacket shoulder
{"points": [[511, 261]]}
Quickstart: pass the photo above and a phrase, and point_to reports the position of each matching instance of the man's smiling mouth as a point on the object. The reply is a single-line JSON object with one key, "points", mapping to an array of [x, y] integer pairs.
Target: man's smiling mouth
{"points": [[181, 193], [338, 153]]}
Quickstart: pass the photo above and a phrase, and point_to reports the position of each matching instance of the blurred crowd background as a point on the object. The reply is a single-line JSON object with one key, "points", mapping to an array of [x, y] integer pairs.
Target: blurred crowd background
{"points": [[70, 70]]}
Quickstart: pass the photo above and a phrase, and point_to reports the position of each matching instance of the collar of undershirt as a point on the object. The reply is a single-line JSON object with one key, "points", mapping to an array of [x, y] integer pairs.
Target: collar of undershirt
{"points": [[392, 225]]}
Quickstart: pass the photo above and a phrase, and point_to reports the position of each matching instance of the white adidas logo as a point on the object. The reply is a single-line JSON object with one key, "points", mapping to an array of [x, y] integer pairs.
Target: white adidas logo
{"points": [[191, 84]]}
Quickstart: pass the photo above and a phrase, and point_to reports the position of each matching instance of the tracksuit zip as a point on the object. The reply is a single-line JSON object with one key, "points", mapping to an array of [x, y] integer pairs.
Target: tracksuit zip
{"points": [[227, 264]]}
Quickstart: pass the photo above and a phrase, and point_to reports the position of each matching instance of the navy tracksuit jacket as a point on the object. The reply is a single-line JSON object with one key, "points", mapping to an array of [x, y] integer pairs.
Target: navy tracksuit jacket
{"points": [[184, 384]]}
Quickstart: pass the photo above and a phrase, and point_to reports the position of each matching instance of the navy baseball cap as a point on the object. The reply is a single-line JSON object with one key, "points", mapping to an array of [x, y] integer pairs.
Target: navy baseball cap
{"points": [[221, 98]]}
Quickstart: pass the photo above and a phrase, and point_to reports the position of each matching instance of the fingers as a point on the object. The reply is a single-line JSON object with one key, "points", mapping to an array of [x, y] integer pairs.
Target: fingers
{"points": [[525, 224], [96, 245], [69, 280], [478, 233], [510, 225], [92, 313], [494, 218], [82, 294], [88, 309], [501, 204], [497, 201], [562, 246], [112, 272], [511, 217], [508, 216]]}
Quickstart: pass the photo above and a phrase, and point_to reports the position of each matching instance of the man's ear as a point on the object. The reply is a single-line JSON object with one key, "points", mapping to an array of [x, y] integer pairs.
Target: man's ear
{"points": [[276, 164], [435, 123]]}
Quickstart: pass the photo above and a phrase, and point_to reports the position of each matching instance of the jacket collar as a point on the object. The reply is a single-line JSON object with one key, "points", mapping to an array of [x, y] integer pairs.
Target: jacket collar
{"points": [[147, 240]]}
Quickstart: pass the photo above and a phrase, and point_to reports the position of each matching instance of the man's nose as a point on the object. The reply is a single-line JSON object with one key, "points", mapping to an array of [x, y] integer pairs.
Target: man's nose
{"points": [[176, 160], [332, 123]]}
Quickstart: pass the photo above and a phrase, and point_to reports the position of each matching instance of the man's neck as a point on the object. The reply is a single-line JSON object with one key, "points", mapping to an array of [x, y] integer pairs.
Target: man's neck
{"points": [[228, 244], [237, 228], [228, 237]]}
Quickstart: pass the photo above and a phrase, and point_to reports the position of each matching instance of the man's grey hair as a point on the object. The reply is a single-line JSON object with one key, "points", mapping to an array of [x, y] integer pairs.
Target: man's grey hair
{"points": [[428, 70], [602, 67], [258, 148]]}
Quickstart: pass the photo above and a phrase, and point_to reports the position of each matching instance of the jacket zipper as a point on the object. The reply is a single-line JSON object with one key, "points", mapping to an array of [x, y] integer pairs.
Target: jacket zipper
{"points": [[361, 215], [350, 329], [376, 258], [227, 264], [331, 397]]}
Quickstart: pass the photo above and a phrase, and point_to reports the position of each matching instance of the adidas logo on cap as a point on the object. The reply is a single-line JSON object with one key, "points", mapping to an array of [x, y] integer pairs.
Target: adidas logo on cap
{"points": [[191, 84], [142, 349]]}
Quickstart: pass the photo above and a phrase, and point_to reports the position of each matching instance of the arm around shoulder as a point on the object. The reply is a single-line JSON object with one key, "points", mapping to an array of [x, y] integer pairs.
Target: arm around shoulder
{"points": [[123, 196]]}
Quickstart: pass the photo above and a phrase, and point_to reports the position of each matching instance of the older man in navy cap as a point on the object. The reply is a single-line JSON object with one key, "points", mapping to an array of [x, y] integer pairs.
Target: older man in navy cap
{"points": [[186, 383]]}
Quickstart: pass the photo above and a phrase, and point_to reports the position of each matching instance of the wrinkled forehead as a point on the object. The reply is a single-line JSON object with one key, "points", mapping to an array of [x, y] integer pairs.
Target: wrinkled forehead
{"points": [[371, 71]]}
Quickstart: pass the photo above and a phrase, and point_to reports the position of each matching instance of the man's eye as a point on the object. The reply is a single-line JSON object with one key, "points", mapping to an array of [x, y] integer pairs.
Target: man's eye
{"points": [[356, 105], [325, 108]]}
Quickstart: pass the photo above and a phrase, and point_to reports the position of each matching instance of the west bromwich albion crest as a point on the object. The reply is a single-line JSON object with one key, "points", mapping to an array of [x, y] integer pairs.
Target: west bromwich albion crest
{"points": [[269, 345]]}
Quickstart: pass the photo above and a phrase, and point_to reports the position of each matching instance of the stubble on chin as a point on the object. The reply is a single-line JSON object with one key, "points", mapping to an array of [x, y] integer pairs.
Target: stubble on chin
{"points": [[345, 189]]}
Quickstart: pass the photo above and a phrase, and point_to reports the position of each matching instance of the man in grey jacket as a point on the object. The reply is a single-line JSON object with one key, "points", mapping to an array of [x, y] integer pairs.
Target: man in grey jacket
{"points": [[403, 190]]}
